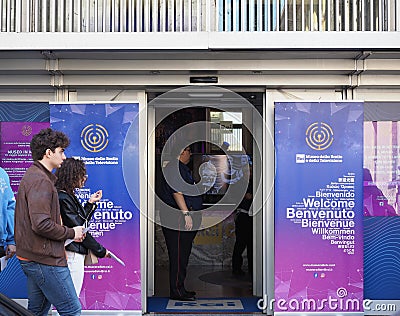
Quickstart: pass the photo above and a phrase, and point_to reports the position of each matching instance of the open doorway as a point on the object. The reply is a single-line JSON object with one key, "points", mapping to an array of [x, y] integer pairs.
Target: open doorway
{"points": [[210, 265]]}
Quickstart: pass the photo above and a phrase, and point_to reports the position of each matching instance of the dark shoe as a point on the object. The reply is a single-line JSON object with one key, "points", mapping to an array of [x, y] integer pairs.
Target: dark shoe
{"points": [[190, 293], [238, 272], [182, 298]]}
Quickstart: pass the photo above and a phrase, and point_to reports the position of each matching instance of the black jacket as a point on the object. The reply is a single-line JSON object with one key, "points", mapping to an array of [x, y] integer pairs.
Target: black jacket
{"points": [[74, 214]]}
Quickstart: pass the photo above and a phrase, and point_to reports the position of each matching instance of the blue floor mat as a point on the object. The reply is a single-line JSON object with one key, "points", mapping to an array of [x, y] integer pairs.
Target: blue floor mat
{"points": [[209, 305]]}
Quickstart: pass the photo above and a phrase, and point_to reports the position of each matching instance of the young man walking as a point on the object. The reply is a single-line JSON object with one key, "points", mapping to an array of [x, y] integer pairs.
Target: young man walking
{"points": [[39, 233]]}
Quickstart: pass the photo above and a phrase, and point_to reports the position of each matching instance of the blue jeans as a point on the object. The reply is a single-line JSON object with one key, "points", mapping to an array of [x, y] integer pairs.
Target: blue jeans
{"points": [[50, 285]]}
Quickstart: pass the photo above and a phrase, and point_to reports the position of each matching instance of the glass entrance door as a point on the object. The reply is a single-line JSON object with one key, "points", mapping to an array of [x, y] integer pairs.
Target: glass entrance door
{"points": [[218, 125]]}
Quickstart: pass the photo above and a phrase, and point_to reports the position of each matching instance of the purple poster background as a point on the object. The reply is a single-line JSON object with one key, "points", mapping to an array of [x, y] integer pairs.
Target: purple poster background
{"points": [[98, 134], [15, 153], [15, 158], [318, 207], [381, 168]]}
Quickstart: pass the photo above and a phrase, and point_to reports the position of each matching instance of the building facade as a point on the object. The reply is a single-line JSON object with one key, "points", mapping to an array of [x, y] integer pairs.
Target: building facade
{"points": [[136, 50]]}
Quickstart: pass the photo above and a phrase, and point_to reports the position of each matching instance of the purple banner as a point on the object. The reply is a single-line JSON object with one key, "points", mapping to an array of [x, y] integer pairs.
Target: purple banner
{"points": [[15, 153], [100, 135], [318, 207], [16, 158], [381, 168]]}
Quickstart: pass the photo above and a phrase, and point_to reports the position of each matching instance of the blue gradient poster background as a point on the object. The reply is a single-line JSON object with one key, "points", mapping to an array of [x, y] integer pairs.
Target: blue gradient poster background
{"points": [[318, 206], [98, 133]]}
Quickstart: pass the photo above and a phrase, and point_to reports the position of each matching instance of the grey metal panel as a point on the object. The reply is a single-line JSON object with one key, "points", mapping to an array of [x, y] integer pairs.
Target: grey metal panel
{"points": [[268, 197], [382, 111], [305, 40], [151, 205], [146, 205], [28, 95], [203, 40]]}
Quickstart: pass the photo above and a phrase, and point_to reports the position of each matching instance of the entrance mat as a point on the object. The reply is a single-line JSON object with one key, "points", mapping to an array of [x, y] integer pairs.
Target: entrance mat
{"points": [[209, 305]]}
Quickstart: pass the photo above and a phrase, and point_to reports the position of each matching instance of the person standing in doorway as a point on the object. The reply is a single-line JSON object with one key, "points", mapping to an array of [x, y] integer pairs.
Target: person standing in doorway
{"points": [[180, 219], [244, 231], [71, 176], [39, 232], [7, 199]]}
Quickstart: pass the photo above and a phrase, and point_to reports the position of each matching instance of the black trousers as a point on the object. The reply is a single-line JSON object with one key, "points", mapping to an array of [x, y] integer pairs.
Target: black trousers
{"points": [[244, 239], [179, 245]]}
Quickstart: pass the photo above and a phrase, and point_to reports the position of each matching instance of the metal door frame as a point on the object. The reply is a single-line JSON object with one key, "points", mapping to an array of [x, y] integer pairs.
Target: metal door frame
{"points": [[148, 254]]}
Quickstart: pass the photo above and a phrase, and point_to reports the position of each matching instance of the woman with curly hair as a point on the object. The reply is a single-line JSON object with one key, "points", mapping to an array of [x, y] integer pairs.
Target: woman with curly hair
{"points": [[71, 176]]}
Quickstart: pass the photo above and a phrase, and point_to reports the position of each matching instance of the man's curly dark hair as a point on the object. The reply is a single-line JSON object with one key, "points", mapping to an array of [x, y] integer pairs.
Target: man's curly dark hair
{"points": [[70, 175], [47, 139]]}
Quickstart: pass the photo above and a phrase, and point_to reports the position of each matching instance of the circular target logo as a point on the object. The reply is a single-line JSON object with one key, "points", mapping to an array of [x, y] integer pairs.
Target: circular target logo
{"points": [[319, 136], [94, 138]]}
